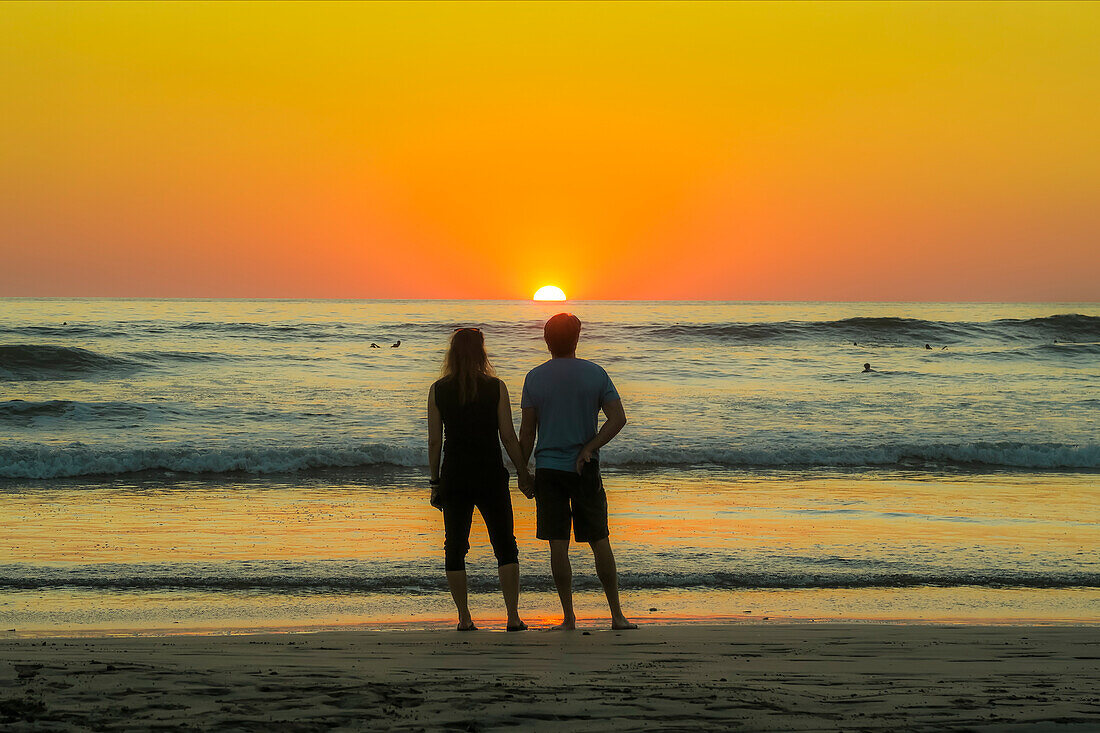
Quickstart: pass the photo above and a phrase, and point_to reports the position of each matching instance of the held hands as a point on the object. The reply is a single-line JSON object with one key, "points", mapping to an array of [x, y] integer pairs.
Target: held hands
{"points": [[526, 482]]}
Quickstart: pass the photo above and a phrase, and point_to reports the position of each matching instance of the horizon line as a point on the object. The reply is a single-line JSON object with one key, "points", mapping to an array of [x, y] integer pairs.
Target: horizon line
{"points": [[529, 300]]}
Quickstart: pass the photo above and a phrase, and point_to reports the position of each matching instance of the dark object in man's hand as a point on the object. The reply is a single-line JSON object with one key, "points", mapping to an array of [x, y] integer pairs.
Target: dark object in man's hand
{"points": [[436, 499]]}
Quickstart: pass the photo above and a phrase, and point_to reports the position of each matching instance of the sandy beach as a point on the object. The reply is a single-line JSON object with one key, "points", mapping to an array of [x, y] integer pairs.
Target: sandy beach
{"points": [[742, 676]]}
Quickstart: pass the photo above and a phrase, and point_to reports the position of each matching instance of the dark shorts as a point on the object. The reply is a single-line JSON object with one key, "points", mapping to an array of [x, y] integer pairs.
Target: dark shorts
{"points": [[564, 499]]}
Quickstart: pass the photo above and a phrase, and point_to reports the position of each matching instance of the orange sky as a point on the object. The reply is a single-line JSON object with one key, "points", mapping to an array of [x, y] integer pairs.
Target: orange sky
{"points": [[802, 151]]}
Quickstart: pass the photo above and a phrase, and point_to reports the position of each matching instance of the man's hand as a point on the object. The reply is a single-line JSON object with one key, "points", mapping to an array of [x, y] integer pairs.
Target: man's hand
{"points": [[616, 419], [526, 482], [584, 457]]}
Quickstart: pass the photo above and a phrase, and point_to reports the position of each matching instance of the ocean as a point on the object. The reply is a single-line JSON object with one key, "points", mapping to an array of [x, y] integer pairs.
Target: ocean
{"points": [[181, 465]]}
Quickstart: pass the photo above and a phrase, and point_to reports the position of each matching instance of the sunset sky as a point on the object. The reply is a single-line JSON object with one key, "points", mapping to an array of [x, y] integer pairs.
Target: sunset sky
{"points": [[803, 151]]}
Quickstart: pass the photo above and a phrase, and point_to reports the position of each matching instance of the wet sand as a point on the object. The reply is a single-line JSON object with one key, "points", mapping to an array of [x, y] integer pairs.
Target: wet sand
{"points": [[743, 676]]}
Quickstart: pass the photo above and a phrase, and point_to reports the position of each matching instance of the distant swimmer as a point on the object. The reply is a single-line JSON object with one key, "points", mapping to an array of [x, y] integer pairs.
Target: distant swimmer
{"points": [[867, 368], [66, 323], [375, 346], [928, 347], [394, 346]]}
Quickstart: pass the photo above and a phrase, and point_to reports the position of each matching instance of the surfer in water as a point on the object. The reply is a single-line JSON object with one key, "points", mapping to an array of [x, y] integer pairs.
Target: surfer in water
{"points": [[867, 368]]}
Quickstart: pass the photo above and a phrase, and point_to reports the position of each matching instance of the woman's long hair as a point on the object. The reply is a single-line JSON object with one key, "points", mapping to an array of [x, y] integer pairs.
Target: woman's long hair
{"points": [[466, 360]]}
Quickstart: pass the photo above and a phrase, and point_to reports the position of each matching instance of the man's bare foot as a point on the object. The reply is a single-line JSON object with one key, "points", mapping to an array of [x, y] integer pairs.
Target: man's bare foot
{"points": [[569, 624], [622, 624], [466, 626], [516, 625]]}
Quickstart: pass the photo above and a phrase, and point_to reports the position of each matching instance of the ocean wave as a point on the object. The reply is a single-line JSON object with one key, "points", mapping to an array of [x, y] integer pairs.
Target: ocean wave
{"points": [[40, 461], [847, 329], [419, 581], [274, 331], [35, 362], [1086, 348], [43, 462], [83, 330], [1071, 326], [992, 455], [1016, 352], [156, 357], [74, 410], [42, 362], [1064, 327]]}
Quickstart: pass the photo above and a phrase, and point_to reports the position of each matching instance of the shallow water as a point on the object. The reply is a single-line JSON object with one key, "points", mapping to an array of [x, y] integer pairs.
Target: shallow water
{"points": [[362, 547]]}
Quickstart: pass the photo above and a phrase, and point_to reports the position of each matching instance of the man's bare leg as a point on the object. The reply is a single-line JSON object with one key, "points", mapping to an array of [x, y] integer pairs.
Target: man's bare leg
{"points": [[609, 577], [456, 581], [563, 580], [509, 586]]}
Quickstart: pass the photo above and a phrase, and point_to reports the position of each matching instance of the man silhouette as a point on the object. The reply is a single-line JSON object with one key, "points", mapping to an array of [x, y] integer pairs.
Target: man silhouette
{"points": [[561, 402]]}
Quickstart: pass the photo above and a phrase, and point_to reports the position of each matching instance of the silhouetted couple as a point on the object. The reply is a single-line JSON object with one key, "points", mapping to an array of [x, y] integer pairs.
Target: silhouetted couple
{"points": [[469, 416]]}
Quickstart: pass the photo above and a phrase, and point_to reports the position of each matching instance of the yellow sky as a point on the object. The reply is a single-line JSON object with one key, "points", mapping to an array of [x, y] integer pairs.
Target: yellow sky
{"points": [[885, 151]]}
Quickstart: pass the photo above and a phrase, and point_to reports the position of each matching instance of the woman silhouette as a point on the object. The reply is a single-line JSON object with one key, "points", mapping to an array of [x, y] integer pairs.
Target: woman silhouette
{"points": [[469, 416]]}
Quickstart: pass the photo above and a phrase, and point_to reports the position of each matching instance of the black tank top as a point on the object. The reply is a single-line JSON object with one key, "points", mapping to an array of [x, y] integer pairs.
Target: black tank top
{"points": [[471, 446]]}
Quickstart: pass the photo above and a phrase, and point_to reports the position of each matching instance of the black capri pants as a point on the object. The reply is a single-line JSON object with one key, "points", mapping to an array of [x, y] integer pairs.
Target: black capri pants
{"points": [[492, 499]]}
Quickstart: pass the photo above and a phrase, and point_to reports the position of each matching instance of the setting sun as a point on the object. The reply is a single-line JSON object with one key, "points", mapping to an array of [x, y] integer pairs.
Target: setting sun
{"points": [[549, 292]]}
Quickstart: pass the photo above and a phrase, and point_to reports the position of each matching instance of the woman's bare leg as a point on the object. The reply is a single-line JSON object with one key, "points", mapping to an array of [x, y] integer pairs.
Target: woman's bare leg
{"points": [[456, 581]]}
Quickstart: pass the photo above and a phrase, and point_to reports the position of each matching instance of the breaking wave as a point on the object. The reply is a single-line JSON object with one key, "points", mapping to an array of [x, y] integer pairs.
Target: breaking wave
{"points": [[41, 362], [1067, 327], [32, 362], [73, 410], [51, 461], [43, 461], [994, 455], [404, 579]]}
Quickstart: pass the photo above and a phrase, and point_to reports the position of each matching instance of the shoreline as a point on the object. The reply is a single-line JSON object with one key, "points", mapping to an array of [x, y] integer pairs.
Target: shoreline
{"points": [[494, 624], [89, 613], [757, 676]]}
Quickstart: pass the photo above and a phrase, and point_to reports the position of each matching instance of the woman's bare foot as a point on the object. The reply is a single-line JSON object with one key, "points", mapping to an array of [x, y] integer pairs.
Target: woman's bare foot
{"points": [[466, 624], [622, 623], [516, 625], [568, 624]]}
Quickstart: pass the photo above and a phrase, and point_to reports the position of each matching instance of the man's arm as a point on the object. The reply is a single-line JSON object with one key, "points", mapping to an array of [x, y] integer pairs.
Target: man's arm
{"points": [[616, 421], [528, 426]]}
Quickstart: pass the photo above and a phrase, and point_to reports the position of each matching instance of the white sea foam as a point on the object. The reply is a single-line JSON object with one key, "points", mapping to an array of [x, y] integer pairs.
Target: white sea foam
{"points": [[1014, 455], [45, 461], [405, 576], [79, 460]]}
